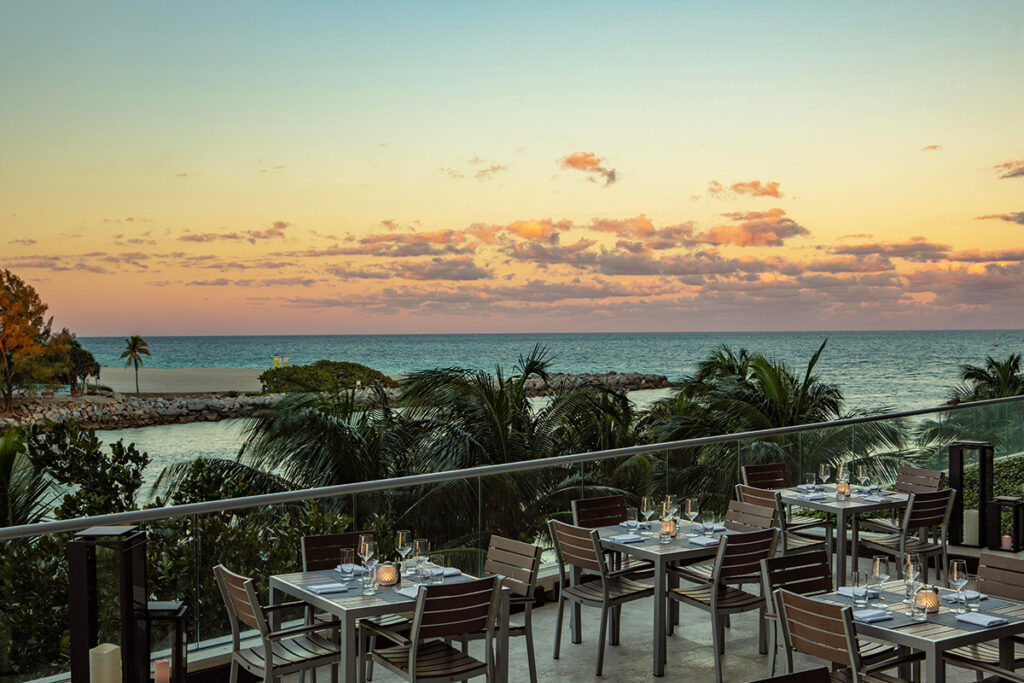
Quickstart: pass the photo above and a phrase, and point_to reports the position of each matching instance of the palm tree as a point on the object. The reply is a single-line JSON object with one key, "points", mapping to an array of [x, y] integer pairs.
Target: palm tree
{"points": [[135, 348], [998, 379], [25, 494]]}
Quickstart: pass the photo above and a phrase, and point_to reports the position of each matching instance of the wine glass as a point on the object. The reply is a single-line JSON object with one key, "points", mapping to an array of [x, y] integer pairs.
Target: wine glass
{"points": [[880, 573], [367, 550], [825, 472], [862, 476], [692, 509], [671, 505], [958, 579], [403, 544], [647, 509], [910, 575]]}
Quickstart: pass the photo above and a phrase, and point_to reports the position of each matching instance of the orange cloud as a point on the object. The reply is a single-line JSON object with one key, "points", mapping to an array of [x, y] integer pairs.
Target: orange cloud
{"points": [[931, 148], [1015, 217], [538, 229], [488, 173], [753, 188], [1010, 169], [590, 163], [756, 229]]}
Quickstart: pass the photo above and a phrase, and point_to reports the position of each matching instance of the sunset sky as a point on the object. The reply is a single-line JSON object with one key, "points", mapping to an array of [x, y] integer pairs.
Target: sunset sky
{"points": [[329, 167]]}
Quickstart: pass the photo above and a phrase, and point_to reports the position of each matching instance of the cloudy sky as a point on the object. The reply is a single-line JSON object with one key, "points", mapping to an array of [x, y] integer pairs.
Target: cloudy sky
{"points": [[320, 167]]}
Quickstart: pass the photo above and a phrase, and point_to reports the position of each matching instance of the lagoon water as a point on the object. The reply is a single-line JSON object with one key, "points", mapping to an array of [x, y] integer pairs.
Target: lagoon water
{"points": [[900, 370]]}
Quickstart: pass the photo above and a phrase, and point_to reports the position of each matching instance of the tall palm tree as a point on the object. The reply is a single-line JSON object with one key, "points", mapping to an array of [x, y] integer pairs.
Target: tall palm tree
{"points": [[997, 379], [135, 348]]}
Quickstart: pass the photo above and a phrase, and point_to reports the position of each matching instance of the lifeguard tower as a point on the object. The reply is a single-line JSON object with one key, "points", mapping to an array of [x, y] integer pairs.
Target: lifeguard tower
{"points": [[279, 360]]}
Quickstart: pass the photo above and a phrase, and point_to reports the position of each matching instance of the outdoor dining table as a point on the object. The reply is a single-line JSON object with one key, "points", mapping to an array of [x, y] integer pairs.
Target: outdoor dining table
{"points": [[843, 510], [941, 632], [678, 551], [352, 605]]}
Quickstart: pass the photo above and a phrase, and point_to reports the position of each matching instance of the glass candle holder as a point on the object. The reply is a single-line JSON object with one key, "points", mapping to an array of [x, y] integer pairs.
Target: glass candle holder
{"points": [[927, 599], [669, 526], [843, 488], [388, 574]]}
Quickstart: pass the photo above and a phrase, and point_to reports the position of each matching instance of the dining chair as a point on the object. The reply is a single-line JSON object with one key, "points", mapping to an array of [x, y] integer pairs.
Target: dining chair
{"points": [[767, 475], [738, 558], [444, 612], [594, 513], [578, 550], [827, 631], [323, 552], [819, 675], [807, 573], [740, 516], [792, 541], [517, 564], [923, 531], [279, 652], [916, 480], [999, 576]]}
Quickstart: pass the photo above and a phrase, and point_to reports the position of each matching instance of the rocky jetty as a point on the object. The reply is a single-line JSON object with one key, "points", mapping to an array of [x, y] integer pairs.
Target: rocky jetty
{"points": [[118, 411]]}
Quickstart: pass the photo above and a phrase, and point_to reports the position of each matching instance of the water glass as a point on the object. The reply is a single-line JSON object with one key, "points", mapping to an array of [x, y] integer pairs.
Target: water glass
{"points": [[437, 569], [370, 581], [809, 479], [917, 612], [671, 505], [859, 587], [972, 596], [632, 517], [709, 524], [420, 548], [664, 537], [348, 560]]}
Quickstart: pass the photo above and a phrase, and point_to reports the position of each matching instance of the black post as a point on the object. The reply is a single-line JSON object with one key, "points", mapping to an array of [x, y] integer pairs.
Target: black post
{"points": [[986, 460], [82, 605]]}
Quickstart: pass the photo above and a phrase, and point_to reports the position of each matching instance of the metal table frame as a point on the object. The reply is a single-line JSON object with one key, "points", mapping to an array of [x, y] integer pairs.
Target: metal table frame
{"points": [[843, 510], [351, 606]]}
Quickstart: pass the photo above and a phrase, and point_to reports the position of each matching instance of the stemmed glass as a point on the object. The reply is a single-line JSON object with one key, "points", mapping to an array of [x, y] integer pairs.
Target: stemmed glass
{"points": [[862, 475], [367, 550], [910, 576], [692, 509], [958, 579], [647, 509], [880, 574], [671, 505], [825, 472], [403, 544]]}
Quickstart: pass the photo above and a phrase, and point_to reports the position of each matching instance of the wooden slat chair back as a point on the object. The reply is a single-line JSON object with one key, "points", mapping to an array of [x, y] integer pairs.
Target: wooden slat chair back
{"points": [[517, 562], [769, 475], [453, 610], [819, 629], [324, 551], [743, 516], [578, 548], [808, 573], [758, 496], [241, 601], [740, 554], [592, 513], [791, 540], [928, 510], [1001, 575], [916, 480]]}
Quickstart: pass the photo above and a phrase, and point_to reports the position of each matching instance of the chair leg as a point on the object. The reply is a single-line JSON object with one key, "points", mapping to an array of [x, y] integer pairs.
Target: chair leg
{"points": [[601, 638], [334, 673], [762, 634], [775, 646], [613, 632], [530, 656], [234, 671], [369, 660], [718, 640], [558, 626]]}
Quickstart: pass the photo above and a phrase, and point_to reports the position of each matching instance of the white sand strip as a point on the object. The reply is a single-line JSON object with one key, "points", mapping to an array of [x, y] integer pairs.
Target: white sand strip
{"points": [[180, 380]]}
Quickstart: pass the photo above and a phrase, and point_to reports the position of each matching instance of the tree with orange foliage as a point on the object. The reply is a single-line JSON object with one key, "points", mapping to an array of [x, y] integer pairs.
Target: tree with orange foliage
{"points": [[24, 331]]}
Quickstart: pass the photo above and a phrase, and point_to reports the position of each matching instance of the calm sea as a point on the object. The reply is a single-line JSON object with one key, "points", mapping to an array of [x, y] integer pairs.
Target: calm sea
{"points": [[899, 370]]}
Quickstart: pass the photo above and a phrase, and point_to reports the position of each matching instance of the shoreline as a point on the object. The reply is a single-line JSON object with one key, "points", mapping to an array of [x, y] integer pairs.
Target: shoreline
{"points": [[181, 380]]}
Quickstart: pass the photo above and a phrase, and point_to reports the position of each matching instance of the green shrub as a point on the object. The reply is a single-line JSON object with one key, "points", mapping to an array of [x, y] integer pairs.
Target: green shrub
{"points": [[1008, 477], [323, 375]]}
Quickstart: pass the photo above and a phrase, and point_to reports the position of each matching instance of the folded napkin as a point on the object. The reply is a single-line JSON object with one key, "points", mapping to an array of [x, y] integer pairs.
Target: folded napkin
{"points": [[876, 498], [626, 538], [356, 569], [870, 616], [807, 487], [705, 540], [848, 592], [323, 588], [409, 591], [812, 496], [719, 527], [874, 488], [969, 595], [979, 619], [452, 571]]}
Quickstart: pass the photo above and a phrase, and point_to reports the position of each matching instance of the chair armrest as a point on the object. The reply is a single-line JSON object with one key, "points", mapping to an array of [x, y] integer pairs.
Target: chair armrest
{"points": [[878, 525], [376, 630], [631, 570], [1001, 673], [285, 605], [521, 600], [303, 629]]}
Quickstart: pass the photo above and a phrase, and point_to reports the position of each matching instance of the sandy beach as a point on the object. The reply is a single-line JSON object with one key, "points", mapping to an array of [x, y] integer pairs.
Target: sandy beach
{"points": [[180, 380]]}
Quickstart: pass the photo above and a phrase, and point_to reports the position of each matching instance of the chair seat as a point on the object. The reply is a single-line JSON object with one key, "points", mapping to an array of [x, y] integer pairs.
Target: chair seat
{"points": [[729, 598], [881, 525], [984, 652], [620, 589], [803, 520], [796, 543], [892, 543], [399, 623], [435, 659], [291, 654]]}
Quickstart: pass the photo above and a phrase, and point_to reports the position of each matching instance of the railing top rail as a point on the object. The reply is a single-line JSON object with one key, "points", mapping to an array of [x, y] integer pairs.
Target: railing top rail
{"points": [[168, 512]]}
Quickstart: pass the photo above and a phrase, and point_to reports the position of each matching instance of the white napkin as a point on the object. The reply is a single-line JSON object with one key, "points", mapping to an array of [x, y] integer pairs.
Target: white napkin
{"points": [[356, 569], [968, 595], [807, 487], [322, 588], [452, 571], [626, 538], [812, 496], [628, 525], [875, 498], [705, 540], [869, 616], [848, 592], [409, 591], [874, 488], [979, 619]]}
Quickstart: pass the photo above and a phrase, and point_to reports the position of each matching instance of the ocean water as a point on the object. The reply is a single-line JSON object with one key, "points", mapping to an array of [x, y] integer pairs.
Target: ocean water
{"points": [[898, 370], [907, 369]]}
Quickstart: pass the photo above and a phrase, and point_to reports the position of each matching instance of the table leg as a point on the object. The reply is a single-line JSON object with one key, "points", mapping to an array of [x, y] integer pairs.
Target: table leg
{"points": [[841, 548], [673, 606], [349, 649], [935, 666], [854, 540], [575, 629], [659, 618], [503, 653], [1006, 654], [275, 615]]}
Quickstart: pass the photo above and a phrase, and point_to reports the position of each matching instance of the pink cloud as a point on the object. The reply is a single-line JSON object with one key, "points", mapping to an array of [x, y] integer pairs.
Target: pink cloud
{"points": [[931, 148], [591, 164], [769, 228], [1010, 169], [753, 188]]}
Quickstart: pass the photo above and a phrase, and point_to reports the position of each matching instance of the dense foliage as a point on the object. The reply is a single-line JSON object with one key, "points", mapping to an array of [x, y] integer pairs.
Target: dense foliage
{"points": [[323, 375], [29, 354]]}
